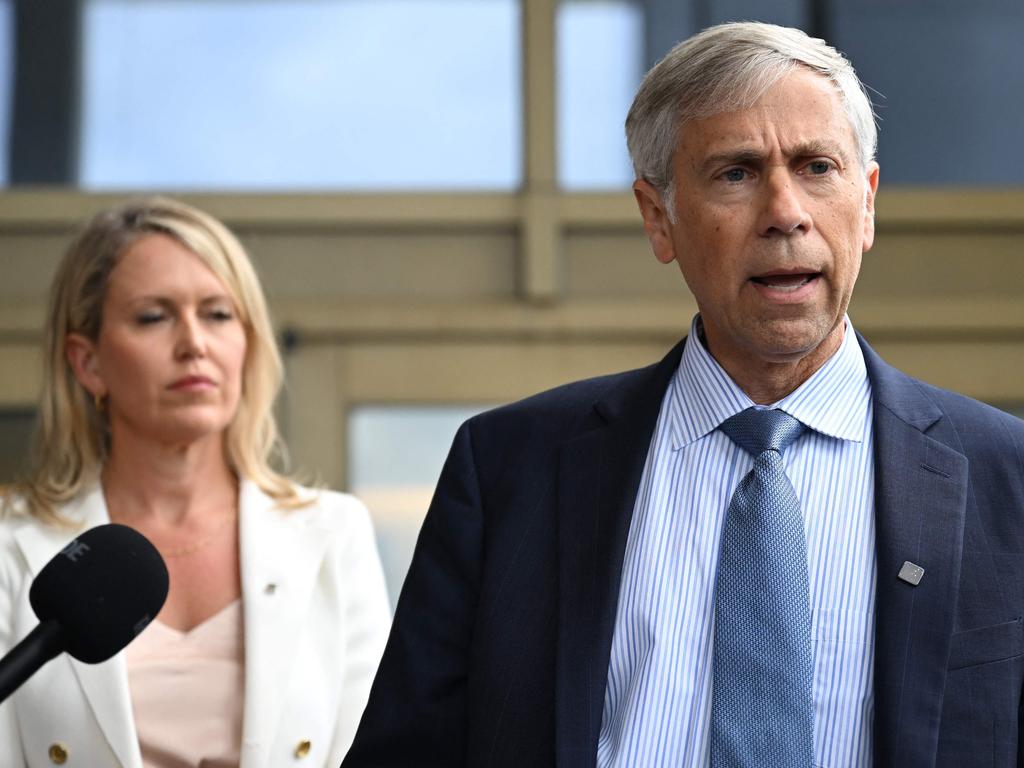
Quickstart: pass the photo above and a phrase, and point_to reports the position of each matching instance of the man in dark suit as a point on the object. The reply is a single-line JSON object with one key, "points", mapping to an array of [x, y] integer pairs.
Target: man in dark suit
{"points": [[565, 604]]}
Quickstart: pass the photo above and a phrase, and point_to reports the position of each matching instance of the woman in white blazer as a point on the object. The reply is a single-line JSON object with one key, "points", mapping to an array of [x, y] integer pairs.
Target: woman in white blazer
{"points": [[161, 372]]}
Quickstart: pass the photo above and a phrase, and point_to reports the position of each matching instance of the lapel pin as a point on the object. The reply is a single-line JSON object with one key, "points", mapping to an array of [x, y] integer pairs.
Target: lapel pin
{"points": [[911, 573]]}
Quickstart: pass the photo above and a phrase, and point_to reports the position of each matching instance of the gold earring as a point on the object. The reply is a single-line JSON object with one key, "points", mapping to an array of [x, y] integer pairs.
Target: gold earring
{"points": [[100, 401]]}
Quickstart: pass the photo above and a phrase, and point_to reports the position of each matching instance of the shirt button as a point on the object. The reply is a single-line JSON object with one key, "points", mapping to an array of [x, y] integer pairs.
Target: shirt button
{"points": [[302, 748], [58, 754]]}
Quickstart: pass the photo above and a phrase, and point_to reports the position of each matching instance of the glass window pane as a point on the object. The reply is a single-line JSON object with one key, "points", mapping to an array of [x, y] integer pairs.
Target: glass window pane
{"points": [[6, 84], [599, 66], [951, 79], [311, 94], [788, 13], [396, 457]]}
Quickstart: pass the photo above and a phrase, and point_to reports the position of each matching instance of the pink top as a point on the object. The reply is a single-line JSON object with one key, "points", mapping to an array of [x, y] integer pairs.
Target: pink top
{"points": [[187, 690]]}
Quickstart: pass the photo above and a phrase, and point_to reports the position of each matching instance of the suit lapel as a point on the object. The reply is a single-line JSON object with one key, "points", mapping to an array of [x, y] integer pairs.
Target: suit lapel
{"points": [[920, 502], [598, 477], [281, 555], [105, 686]]}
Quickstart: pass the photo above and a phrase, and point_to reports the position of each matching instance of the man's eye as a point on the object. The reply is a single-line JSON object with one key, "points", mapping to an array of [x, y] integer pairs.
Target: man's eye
{"points": [[819, 167], [734, 174]]}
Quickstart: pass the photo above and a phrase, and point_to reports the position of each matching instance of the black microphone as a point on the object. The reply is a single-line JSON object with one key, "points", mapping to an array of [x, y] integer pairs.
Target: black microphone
{"points": [[92, 599]]}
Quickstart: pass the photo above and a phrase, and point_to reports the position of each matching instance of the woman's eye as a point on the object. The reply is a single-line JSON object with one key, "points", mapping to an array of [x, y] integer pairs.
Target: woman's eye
{"points": [[148, 318], [221, 314]]}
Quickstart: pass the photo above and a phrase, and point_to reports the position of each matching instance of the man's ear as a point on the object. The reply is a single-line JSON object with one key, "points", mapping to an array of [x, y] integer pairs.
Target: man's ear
{"points": [[80, 352], [871, 188], [657, 224]]}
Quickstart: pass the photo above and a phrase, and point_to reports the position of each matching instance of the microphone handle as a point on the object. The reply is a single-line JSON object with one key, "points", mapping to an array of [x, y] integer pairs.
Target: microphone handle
{"points": [[21, 662]]}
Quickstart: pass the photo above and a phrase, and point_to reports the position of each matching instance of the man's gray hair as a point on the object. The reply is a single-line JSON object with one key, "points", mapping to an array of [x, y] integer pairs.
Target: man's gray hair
{"points": [[727, 68]]}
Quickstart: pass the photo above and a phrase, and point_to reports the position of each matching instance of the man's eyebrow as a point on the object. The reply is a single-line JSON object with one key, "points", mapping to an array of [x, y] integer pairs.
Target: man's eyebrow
{"points": [[819, 148], [732, 157], [746, 156]]}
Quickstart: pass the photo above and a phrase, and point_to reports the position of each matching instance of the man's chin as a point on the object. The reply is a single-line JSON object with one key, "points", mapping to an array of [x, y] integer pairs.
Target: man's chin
{"points": [[791, 340]]}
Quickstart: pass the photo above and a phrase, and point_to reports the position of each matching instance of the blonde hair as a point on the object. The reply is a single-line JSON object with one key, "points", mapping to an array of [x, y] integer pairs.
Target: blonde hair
{"points": [[72, 436]]}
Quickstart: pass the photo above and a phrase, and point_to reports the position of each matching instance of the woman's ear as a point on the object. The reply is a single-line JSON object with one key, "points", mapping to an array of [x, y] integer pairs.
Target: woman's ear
{"points": [[80, 353]]}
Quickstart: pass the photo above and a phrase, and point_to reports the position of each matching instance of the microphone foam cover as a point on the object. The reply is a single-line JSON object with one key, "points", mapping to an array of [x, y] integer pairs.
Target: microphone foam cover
{"points": [[103, 589]]}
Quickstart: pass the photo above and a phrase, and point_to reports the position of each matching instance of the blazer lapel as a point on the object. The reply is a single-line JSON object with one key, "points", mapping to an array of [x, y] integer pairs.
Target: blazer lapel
{"points": [[599, 474], [920, 502], [105, 686], [281, 555]]}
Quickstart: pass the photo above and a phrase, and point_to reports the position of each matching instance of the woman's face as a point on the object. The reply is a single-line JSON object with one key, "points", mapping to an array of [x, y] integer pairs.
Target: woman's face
{"points": [[171, 350]]}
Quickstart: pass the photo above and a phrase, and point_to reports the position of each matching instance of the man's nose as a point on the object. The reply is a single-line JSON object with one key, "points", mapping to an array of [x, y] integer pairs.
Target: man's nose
{"points": [[783, 210]]}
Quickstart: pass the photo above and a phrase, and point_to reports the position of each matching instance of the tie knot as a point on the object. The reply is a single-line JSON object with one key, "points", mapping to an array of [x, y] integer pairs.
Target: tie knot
{"points": [[757, 430]]}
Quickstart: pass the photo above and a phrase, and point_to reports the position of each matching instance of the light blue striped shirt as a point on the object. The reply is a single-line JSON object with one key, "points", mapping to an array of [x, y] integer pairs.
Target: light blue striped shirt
{"points": [[657, 706]]}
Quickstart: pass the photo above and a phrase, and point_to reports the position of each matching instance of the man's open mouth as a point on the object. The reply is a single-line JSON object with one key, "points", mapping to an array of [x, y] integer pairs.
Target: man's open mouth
{"points": [[785, 283]]}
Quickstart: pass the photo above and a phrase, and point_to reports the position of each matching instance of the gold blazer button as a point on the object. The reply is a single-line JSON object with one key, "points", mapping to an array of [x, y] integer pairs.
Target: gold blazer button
{"points": [[58, 754], [302, 748]]}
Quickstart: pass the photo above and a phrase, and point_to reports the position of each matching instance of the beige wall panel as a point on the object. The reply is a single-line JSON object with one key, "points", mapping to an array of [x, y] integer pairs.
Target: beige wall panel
{"points": [[313, 421], [597, 264], [481, 372], [20, 375], [991, 370], [617, 264], [27, 263], [902, 264], [906, 263], [294, 264], [627, 318], [21, 320], [370, 265], [541, 271], [986, 370], [977, 317]]}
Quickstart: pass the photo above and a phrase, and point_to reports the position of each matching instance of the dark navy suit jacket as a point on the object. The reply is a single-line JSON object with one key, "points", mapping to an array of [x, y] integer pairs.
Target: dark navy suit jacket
{"points": [[499, 651]]}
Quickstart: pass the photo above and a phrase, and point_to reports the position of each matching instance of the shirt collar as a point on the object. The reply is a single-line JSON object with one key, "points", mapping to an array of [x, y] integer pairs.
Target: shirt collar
{"points": [[833, 401]]}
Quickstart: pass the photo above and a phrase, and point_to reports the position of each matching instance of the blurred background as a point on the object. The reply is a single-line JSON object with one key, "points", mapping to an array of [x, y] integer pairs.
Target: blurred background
{"points": [[436, 195]]}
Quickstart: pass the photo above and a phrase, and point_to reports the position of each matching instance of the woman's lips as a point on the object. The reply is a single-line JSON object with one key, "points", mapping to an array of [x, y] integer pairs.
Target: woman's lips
{"points": [[192, 384]]}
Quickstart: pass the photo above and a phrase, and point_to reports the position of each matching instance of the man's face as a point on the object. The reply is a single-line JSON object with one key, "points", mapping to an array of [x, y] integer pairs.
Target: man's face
{"points": [[773, 211]]}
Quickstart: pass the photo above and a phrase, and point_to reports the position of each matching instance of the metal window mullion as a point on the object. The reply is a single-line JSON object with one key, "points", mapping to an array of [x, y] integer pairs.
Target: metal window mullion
{"points": [[541, 268], [45, 108]]}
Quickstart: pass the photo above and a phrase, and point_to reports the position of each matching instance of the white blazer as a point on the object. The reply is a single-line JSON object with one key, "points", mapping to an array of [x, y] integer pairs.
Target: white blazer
{"points": [[315, 615]]}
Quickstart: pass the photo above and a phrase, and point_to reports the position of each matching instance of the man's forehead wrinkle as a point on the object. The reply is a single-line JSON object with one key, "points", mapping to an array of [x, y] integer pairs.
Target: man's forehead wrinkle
{"points": [[739, 156], [815, 147], [749, 153], [815, 123]]}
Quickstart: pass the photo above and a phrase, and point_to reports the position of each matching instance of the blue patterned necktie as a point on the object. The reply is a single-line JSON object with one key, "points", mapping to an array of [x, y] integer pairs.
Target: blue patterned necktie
{"points": [[762, 713]]}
